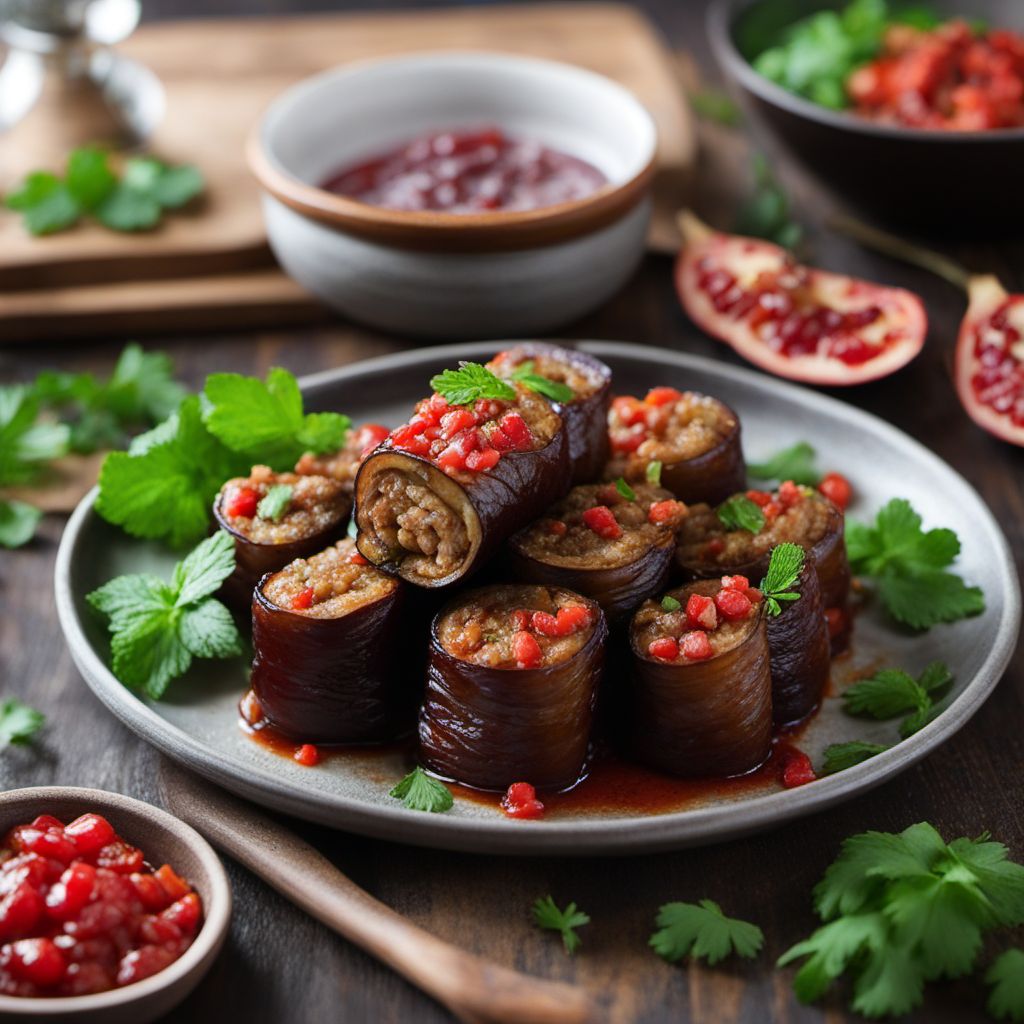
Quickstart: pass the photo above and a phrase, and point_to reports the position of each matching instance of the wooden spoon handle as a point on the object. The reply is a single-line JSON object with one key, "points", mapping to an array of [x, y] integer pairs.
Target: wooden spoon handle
{"points": [[473, 989]]}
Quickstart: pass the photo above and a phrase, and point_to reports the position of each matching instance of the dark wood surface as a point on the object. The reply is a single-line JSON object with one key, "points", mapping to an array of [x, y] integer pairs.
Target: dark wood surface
{"points": [[281, 966]]}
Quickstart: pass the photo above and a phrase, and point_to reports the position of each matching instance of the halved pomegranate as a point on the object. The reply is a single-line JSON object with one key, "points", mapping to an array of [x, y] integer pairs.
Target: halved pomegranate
{"points": [[794, 321], [989, 366]]}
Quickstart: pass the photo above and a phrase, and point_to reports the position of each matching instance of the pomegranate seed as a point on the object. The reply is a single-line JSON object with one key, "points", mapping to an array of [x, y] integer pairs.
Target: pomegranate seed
{"points": [[67, 897], [601, 520], [760, 498], [701, 613], [47, 822], [173, 884], [662, 396], [696, 646], [243, 502], [368, 437], [789, 494], [456, 421], [521, 618], [152, 895], [797, 769], [664, 648], [37, 961], [184, 913], [90, 833], [307, 755], [143, 963], [837, 489], [526, 650], [545, 623], [665, 511], [732, 605], [516, 428], [740, 583], [357, 558], [303, 599], [19, 910], [520, 801], [573, 617], [484, 459]]}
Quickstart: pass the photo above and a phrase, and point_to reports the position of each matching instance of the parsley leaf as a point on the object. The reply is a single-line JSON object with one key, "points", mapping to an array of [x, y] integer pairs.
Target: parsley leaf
{"points": [[547, 915], [157, 627], [740, 513], [419, 792], [909, 564], [26, 441], [170, 187], [784, 568], [265, 420], [670, 604], [702, 930], [45, 203], [275, 502], [18, 722], [1006, 976], [624, 489], [653, 473], [88, 177], [18, 522], [892, 692], [164, 487], [553, 389], [766, 213], [125, 209], [840, 756], [470, 382], [795, 463]]}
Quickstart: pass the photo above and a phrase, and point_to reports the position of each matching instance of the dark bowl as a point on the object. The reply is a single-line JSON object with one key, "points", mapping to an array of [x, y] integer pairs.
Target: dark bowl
{"points": [[955, 184]]}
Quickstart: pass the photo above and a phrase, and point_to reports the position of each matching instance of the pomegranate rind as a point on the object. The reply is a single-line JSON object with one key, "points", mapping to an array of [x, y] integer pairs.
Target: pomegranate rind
{"points": [[986, 295], [900, 307]]}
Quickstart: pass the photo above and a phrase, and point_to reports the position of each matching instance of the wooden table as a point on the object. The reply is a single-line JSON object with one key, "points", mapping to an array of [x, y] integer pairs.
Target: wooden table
{"points": [[281, 966]]}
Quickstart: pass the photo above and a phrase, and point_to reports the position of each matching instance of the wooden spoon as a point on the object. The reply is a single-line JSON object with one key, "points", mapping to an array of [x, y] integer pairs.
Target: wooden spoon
{"points": [[476, 992]]}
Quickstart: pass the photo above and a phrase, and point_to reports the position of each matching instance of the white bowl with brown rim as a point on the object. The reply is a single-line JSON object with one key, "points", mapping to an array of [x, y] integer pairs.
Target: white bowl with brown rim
{"points": [[432, 273]]}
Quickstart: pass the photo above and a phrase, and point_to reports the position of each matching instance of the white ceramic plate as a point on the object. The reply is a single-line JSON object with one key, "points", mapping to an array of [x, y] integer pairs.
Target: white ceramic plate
{"points": [[197, 723]]}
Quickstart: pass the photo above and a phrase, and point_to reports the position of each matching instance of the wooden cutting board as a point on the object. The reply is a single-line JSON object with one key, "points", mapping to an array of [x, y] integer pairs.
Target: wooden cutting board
{"points": [[211, 267]]}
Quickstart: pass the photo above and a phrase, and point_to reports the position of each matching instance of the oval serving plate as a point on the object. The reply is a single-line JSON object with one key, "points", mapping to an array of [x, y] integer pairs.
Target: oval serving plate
{"points": [[197, 723]]}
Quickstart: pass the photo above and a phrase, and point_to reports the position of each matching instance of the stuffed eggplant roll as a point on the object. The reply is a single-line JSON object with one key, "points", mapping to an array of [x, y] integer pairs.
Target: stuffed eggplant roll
{"points": [[709, 547], [446, 490], [694, 438], [511, 687], [327, 667], [585, 413], [799, 646], [701, 702], [343, 465], [613, 543], [275, 518]]}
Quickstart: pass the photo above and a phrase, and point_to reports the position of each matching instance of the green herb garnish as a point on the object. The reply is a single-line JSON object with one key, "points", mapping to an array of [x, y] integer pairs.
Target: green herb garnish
{"points": [[275, 502], [158, 627], [766, 213], [653, 473], [470, 382], [624, 489], [553, 389], [1006, 976], [135, 202], [795, 463], [419, 792], [18, 522], [891, 692], [26, 442], [908, 566], [702, 930], [18, 722], [670, 604], [715, 105], [902, 909], [784, 568], [840, 756], [547, 915], [740, 513]]}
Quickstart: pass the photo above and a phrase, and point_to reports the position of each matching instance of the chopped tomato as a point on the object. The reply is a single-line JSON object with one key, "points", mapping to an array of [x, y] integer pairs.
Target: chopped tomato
{"points": [[482, 459], [662, 396], [520, 801], [696, 646], [307, 755], [526, 650], [701, 612], [837, 489], [740, 583], [665, 511], [601, 520], [557, 527], [789, 494], [732, 605], [665, 648], [761, 498], [797, 769], [304, 599], [243, 502]]}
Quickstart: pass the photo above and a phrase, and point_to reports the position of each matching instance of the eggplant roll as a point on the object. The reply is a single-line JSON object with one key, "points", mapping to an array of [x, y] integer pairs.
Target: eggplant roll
{"points": [[701, 697], [432, 510], [586, 415], [596, 541], [695, 438], [799, 646], [512, 686], [798, 514], [343, 465], [328, 658], [315, 514]]}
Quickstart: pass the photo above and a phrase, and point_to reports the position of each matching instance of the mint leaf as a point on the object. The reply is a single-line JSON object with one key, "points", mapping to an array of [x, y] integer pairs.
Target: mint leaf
{"points": [[740, 513], [18, 722], [419, 792], [553, 389], [702, 930], [784, 568], [18, 522], [208, 630], [25, 441], [275, 503], [204, 569], [89, 178], [126, 209], [45, 203], [171, 187], [796, 463], [713, 105], [470, 382]]}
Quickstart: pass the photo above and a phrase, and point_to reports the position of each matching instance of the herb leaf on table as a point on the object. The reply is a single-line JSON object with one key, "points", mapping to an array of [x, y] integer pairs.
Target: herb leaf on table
{"points": [[18, 722], [766, 213], [702, 930], [158, 627], [547, 915], [18, 522], [1006, 976]]}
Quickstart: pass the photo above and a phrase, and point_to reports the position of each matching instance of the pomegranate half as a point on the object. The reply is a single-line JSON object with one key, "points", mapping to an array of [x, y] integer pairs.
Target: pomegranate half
{"points": [[989, 365], [794, 321]]}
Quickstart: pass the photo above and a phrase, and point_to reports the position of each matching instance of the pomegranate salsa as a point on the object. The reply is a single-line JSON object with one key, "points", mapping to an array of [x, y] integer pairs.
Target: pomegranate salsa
{"points": [[81, 911], [468, 172]]}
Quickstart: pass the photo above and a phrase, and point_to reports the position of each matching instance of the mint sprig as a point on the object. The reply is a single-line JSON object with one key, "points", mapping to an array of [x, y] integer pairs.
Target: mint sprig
{"points": [[740, 513], [470, 382]]}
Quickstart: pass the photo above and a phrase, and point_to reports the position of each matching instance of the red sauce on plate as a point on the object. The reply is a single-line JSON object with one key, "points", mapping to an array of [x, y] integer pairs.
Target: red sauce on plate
{"points": [[468, 172], [81, 911]]}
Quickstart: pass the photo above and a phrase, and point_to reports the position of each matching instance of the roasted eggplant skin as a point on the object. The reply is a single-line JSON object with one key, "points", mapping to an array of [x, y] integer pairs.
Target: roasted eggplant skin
{"points": [[713, 476], [254, 561], [486, 728], [799, 647], [585, 419], [703, 719], [338, 680], [618, 590], [495, 503]]}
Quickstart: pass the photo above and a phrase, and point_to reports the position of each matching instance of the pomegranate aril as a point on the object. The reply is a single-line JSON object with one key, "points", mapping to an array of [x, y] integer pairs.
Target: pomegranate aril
{"points": [[37, 961], [90, 833], [696, 646], [67, 897]]}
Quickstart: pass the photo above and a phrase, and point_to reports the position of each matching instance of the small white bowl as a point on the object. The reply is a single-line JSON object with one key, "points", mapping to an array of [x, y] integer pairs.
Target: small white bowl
{"points": [[504, 273], [164, 840]]}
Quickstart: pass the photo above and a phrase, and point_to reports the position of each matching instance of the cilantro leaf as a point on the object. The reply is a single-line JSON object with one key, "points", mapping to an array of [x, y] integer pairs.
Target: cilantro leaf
{"points": [[170, 187], [166, 490], [264, 419], [553, 389], [625, 490], [740, 513], [157, 627], [18, 522], [1006, 976], [470, 382], [784, 568], [126, 209], [795, 463], [88, 177], [653, 473], [547, 915], [888, 693], [18, 722], [840, 756], [670, 604], [275, 502], [909, 567], [25, 441], [702, 930], [419, 792], [45, 204]]}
